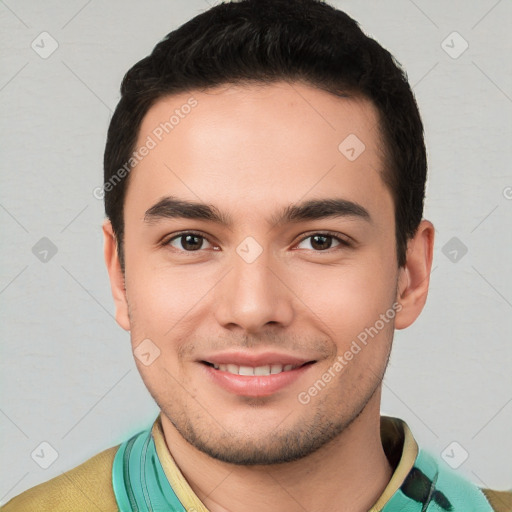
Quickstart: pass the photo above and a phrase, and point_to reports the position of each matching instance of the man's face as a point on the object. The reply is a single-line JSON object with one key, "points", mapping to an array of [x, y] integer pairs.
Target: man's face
{"points": [[257, 293]]}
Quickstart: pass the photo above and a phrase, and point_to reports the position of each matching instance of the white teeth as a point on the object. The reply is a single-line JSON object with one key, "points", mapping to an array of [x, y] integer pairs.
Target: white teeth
{"points": [[246, 370], [276, 368], [262, 370], [231, 368], [271, 369]]}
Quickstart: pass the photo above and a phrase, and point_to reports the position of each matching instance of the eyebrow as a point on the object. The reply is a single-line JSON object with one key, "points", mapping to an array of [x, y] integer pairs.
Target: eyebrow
{"points": [[171, 207]]}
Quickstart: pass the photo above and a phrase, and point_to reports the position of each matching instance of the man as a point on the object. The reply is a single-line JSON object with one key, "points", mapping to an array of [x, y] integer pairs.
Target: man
{"points": [[264, 184]]}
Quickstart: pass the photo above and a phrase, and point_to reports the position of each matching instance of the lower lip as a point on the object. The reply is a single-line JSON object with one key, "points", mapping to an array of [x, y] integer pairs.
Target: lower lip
{"points": [[257, 385]]}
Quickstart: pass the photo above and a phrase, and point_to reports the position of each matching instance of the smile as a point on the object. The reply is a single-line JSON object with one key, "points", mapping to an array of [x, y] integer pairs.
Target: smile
{"points": [[256, 379], [250, 371]]}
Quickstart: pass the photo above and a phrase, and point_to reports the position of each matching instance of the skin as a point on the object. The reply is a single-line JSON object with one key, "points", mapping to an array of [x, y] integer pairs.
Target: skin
{"points": [[251, 150]]}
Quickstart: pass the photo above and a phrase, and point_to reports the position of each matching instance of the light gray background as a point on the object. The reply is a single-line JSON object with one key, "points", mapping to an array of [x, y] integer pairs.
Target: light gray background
{"points": [[68, 377]]}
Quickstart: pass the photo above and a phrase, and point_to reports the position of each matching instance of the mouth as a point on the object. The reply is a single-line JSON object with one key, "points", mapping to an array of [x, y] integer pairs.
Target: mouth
{"points": [[259, 371], [255, 376]]}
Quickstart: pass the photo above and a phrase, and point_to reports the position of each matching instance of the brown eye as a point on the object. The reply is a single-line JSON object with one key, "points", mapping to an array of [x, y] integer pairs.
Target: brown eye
{"points": [[324, 241], [321, 242], [188, 242]]}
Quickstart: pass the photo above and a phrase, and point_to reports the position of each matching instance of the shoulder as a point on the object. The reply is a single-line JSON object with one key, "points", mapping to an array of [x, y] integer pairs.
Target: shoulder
{"points": [[500, 501], [83, 488]]}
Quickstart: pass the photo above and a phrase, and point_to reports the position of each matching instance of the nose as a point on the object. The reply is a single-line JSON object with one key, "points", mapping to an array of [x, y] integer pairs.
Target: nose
{"points": [[254, 295]]}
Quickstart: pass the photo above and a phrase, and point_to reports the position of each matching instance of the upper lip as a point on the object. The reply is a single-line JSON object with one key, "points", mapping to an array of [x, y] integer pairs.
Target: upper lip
{"points": [[254, 359]]}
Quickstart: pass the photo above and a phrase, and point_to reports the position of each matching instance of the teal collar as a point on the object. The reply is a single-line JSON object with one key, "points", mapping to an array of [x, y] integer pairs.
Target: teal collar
{"points": [[138, 479], [431, 487]]}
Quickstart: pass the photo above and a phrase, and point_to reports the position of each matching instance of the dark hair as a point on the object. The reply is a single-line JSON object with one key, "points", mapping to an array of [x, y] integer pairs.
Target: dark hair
{"points": [[266, 41]]}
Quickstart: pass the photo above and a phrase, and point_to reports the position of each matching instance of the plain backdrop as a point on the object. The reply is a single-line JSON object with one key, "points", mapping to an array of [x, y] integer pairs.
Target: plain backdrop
{"points": [[67, 372]]}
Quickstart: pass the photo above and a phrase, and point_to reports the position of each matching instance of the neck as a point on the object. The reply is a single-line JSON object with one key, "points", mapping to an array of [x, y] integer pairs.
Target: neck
{"points": [[348, 474]]}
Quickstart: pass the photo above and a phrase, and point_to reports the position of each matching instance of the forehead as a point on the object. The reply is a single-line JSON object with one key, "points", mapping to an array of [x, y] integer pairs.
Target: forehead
{"points": [[236, 145]]}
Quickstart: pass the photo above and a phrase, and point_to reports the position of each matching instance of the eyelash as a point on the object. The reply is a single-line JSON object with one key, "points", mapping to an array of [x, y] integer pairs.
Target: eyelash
{"points": [[342, 239]]}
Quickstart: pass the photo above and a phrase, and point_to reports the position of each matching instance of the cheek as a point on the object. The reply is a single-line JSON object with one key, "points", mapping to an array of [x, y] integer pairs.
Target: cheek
{"points": [[351, 298], [163, 299]]}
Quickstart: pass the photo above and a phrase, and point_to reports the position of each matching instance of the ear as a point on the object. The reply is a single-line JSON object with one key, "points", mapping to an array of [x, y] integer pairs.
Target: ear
{"points": [[414, 276], [116, 276]]}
